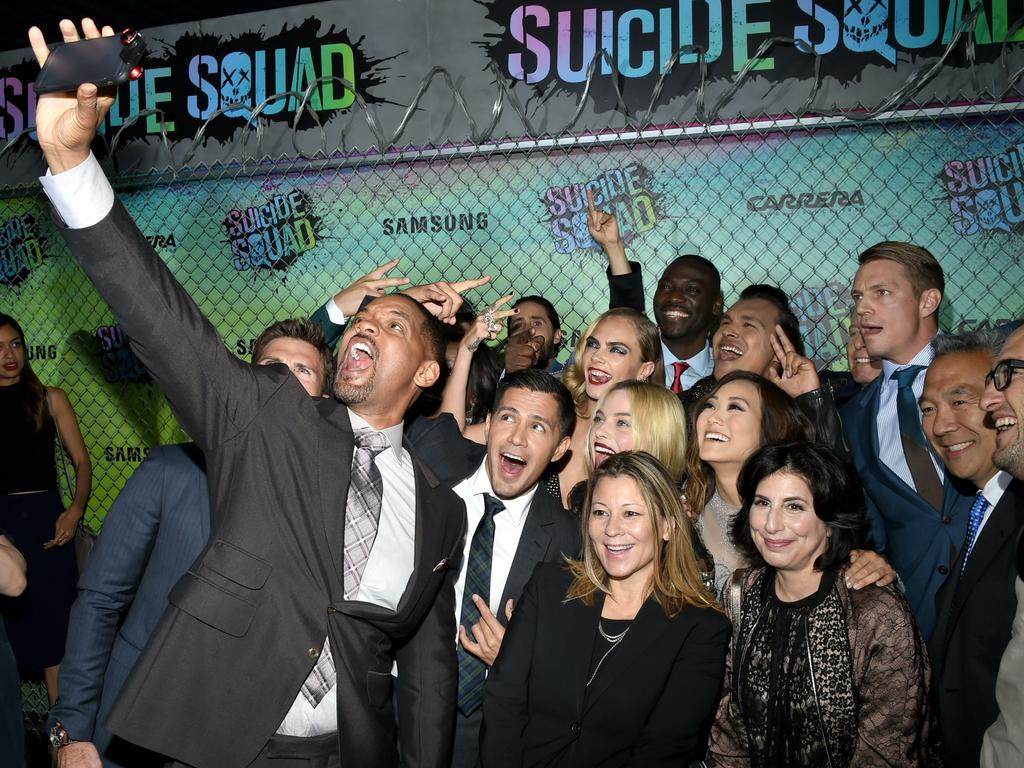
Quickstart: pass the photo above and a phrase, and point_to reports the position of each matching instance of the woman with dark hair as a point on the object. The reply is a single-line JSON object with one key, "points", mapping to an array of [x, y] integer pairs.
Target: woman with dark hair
{"points": [[741, 413], [818, 674], [616, 659], [31, 509]]}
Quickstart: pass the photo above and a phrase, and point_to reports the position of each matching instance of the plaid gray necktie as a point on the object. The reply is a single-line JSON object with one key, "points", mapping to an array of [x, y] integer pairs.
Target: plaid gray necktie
{"points": [[362, 513]]}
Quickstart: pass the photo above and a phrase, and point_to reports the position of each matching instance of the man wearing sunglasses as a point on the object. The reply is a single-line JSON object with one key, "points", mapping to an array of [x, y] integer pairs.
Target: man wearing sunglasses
{"points": [[1003, 743]]}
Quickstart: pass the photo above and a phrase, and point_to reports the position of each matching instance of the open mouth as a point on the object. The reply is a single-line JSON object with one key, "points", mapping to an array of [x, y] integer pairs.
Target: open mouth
{"points": [[617, 550], [1004, 423], [601, 453], [862, 360], [598, 377], [360, 355], [674, 313], [512, 464], [716, 437], [728, 352]]}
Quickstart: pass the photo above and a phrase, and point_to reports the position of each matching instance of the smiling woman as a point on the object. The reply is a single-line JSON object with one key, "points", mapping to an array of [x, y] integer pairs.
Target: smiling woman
{"points": [[617, 659], [796, 624]]}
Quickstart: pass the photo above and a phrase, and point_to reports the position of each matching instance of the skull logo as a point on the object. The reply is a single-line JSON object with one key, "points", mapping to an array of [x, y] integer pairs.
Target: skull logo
{"points": [[866, 27]]}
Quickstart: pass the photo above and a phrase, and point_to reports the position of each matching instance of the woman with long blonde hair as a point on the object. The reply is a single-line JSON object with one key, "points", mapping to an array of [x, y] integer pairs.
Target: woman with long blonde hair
{"points": [[621, 344], [616, 658]]}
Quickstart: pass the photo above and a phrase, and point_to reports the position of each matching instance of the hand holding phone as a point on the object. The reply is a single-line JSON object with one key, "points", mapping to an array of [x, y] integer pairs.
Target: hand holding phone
{"points": [[105, 61]]}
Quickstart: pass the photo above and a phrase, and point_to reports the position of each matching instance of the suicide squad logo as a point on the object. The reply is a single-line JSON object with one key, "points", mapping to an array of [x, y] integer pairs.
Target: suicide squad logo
{"points": [[272, 235], [22, 249], [627, 192], [117, 358], [986, 194]]}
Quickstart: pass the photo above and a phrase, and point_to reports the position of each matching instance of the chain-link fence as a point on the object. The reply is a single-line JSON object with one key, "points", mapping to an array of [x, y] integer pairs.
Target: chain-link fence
{"points": [[787, 200]]}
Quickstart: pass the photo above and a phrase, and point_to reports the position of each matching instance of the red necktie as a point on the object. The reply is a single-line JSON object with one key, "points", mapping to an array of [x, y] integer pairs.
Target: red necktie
{"points": [[677, 382]]}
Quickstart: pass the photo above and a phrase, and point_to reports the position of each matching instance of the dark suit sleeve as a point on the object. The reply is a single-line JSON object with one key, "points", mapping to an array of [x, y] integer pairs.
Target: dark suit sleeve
{"points": [[627, 290], [440, 445], [213, 393], [428, 677], [681, 715], [506, 693], [105, 591], [332, 331]]}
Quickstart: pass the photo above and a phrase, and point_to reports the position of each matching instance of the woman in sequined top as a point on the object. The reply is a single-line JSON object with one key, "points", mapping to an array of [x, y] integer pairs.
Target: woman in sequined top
{"points": [[818, 674]]}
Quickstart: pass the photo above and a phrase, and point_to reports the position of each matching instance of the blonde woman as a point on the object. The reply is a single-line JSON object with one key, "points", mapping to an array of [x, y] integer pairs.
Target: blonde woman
{"points": [[620, 344], [616, 659]]}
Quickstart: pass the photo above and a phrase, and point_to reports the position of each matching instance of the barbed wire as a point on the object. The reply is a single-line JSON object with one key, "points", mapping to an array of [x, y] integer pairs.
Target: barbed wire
{"points": [[505, 101]]}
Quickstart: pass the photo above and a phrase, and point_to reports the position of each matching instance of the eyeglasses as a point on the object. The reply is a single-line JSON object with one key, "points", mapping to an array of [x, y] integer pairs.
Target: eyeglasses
{"points": [[1002, 374]]}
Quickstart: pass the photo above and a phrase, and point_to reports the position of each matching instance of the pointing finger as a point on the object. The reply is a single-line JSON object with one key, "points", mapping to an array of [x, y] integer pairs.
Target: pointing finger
{"points": [[383, 269], [465, 285]]}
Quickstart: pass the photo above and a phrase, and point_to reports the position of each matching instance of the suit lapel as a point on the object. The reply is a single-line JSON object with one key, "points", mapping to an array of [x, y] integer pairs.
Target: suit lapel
{"points": [[997, 533], [576, 640], [333, 473], [647, 628], [533, 549]]}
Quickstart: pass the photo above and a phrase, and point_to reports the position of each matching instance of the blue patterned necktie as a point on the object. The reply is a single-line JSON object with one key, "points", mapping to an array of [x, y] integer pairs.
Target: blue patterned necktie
{"points": [[362, 514], [919, 460], [473, 671], [977, 515]]}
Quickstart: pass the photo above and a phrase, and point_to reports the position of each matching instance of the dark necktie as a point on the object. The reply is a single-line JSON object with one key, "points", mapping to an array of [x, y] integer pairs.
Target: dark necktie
{"points": [[919, 460], [473, 671], [977, 515], [362, 513], [677, 382]]}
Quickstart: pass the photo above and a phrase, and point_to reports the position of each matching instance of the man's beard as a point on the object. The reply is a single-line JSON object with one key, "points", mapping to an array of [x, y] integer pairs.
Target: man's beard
{"points": [[353, 394], [1011, 458]]}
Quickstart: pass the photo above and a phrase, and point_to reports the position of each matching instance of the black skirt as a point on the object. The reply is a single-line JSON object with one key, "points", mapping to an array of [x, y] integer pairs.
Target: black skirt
{"points": [[37, 620]]}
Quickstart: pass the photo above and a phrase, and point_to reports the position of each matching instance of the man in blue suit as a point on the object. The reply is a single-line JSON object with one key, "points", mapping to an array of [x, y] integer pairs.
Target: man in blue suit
{"points": [[154, 531], [918, 511]]}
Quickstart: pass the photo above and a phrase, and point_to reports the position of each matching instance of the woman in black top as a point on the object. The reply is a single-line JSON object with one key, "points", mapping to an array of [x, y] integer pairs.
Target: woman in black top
{"points": [[615, 659], [31, 509]]}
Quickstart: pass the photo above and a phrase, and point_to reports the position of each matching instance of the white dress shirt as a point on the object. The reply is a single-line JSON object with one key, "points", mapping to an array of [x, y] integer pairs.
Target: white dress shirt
{"points": [[993, 492], [387, 570], [508, 528], [887, 421], [701, 365]]}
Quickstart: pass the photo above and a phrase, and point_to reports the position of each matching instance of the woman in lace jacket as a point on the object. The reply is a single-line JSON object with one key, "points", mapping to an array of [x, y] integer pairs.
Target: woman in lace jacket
{"points": [[818, 674]]}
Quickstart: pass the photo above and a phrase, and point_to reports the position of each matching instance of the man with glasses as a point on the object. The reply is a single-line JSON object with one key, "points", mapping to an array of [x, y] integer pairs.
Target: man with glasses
{"points": [[1003, 743], [976, 605]]}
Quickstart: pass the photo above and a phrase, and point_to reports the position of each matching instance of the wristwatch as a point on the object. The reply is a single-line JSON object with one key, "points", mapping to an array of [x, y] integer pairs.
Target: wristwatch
{"points": [[58, 736]]}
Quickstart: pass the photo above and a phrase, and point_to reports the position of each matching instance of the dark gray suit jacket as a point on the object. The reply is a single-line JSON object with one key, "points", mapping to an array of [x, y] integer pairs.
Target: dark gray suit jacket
{"points": [[975, 612], [247, 622], [154, 531]]}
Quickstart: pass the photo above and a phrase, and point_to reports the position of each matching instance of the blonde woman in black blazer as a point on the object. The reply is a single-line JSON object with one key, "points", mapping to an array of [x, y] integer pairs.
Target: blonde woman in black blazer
{"points": [[616, 659]]}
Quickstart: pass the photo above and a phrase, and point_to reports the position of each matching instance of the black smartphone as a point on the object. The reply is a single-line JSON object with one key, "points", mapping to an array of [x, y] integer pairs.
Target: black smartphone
{"points": [[104, 61]]}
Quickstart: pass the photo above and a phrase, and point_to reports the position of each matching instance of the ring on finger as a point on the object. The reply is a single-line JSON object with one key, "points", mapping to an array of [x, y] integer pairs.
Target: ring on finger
{"points": [[489, 321]]}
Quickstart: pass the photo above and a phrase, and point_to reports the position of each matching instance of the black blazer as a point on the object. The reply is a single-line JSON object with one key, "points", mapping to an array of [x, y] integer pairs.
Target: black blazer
{"points": [[247, 621], [649, 706], [975, 614], [550, 530]]}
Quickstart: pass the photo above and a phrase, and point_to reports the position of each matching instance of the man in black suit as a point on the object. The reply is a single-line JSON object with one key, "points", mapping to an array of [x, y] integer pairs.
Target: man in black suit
{"points": [[333, 551], [976, 605], [1003, 744], [528, 428]]}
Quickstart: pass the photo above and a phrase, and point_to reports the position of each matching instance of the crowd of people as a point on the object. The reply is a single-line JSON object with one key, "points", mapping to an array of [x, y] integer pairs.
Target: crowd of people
{"points": [[683, 546]]}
